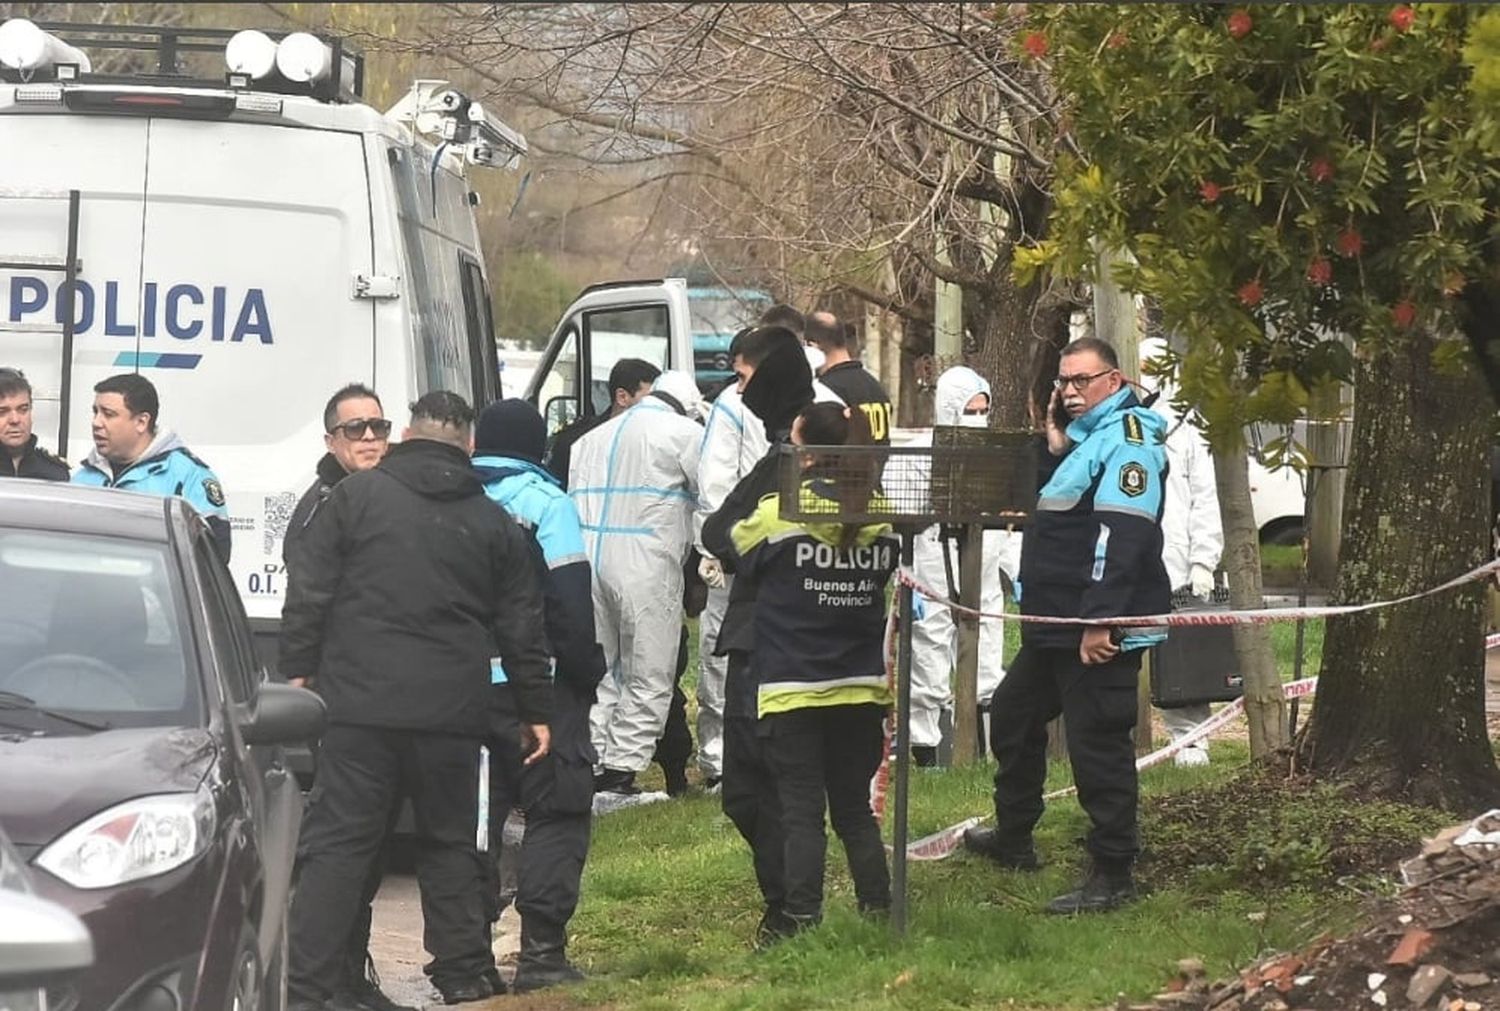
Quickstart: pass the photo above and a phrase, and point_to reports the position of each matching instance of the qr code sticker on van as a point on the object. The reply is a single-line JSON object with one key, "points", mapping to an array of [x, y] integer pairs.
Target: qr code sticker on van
{"points": [[278, 518]]}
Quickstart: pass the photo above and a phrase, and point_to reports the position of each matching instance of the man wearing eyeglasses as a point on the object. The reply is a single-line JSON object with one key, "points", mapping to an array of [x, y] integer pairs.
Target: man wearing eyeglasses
{"points": [[1093, 549], [357, 434], [20, 456]]}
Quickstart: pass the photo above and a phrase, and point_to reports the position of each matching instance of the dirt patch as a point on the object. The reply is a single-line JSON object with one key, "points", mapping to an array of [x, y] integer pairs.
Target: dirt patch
{"points": [[1267, 829]]}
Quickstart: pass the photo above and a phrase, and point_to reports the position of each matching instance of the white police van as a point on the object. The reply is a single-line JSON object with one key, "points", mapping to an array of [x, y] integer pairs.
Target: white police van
{"points": [[250, 237]]}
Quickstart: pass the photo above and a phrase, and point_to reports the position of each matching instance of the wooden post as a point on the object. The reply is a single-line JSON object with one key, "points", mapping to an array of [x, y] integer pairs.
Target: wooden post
{"points": [[966, 674]]}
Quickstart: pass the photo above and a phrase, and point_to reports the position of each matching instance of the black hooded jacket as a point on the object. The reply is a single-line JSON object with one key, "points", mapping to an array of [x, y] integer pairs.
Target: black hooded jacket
{"points": [[778, 391], [405, 586], [329, 473]]}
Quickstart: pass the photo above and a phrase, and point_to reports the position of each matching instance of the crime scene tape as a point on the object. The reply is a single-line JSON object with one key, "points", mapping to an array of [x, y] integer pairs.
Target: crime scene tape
{"points": [[942, 843], [1257, 616]]}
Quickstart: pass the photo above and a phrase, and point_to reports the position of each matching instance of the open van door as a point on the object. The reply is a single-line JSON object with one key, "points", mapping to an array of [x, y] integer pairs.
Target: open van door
{"points": [[627, 319]]}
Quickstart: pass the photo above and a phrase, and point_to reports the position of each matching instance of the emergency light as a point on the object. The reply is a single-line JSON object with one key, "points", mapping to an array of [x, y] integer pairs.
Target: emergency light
{"points": [[250, 52], [304, 58], [25, 47]]}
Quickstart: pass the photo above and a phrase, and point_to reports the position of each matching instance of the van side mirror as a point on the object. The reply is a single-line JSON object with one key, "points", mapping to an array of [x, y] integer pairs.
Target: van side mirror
{"points": [[560, 413], [282, 714]]}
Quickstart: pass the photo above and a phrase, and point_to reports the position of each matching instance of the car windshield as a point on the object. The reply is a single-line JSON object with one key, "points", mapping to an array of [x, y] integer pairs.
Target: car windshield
{"points": [[91, 632], [724, 315]]}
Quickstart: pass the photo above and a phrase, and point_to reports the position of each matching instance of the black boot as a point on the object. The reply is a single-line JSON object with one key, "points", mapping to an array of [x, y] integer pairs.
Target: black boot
{"points": [[1107, 886], [774, 926], [463, 991], [1012, 856], [677, 781], [362, 993], [615, 781], [544, 961]]}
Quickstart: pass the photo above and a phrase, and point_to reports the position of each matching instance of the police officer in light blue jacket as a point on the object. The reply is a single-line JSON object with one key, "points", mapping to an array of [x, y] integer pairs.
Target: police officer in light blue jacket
{"points": [[1093, 549], [557, 792], [131, 453]]}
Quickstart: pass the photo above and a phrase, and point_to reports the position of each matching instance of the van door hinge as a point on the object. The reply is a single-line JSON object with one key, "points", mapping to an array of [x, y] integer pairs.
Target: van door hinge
{"points": [[377, 286]]}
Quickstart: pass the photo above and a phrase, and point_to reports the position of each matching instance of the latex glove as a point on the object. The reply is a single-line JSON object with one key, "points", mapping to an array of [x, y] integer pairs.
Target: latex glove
{"points": [[711, 572], [1201, 581]]}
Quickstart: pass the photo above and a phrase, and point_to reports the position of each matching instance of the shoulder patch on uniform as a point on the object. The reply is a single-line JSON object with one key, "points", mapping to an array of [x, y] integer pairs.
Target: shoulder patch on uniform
{"points": [[213, 491], [1133, 432], [1133, 479]]}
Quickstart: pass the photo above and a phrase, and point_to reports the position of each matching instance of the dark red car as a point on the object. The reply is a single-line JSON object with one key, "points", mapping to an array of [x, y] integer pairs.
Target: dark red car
{"points": [[142, 770]]}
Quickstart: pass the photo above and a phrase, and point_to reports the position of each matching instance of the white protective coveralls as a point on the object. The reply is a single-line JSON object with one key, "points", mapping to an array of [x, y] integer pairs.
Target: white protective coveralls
{"points": [[935, 635], [635, 482], [1192, 541], [734, 441]]}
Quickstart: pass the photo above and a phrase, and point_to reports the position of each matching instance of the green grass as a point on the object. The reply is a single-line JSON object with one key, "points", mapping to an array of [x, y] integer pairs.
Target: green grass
{"points": [[670, 906]]}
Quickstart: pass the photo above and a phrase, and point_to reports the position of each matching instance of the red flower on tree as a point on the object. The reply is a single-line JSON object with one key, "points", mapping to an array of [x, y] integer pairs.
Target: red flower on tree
{"points": [[1035, 44], [1403, 313], [1350, 242], [1250, 293], [1321, 170], [1402, 17], [1320, 271], [1240, 24], [1210, 191]]}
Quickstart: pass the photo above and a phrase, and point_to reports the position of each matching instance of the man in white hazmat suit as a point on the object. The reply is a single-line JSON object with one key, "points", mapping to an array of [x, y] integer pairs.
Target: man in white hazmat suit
{"points": [[635, 482], [1192, 541], [962, 398], [734, 440]]}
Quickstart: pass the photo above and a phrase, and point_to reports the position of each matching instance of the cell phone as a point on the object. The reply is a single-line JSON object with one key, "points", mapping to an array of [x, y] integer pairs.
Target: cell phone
{"points": [[1060, 416]]}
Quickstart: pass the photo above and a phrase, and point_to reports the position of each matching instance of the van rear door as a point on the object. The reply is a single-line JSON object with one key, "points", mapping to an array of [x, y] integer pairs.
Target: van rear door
{"points": [[634, 319], [45, 157], [253, 236]]}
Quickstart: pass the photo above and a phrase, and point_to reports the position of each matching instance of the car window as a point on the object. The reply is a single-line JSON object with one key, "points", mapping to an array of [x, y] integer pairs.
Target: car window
{"points": [[637, 331], [93, 626], [228, 627]]}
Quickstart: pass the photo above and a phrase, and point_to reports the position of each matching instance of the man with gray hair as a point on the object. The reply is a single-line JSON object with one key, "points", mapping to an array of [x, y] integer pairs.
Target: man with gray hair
{"points": [[412, 581]]}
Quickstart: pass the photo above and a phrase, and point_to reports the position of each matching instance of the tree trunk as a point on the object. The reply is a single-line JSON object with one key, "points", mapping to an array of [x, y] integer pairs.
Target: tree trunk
{"points": [[1400, 708], [1265, 707]]}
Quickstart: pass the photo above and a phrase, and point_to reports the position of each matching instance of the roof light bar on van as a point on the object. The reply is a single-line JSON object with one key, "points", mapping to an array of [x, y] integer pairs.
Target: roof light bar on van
{"points": [[29, 49], [250, 52], [304, 58]]}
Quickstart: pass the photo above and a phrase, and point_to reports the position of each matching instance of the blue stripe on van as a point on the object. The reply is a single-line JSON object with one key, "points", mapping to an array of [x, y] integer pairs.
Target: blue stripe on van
{"points": [[155, 360]]}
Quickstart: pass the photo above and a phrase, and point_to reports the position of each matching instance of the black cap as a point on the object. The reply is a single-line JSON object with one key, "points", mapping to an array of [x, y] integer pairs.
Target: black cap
{"points": [[513, 428]]}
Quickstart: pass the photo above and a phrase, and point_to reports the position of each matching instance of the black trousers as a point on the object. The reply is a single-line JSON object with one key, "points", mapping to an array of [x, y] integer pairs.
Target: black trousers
{"points": [[675, 746], [364, 773], [557, 795], [1098, 706], [748, 790], [823, 758]]}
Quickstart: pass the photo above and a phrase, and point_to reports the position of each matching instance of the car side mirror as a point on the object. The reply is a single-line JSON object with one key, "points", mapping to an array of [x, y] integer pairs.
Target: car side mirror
{"points": [[41, 945], [283, 714], [560, 413]]}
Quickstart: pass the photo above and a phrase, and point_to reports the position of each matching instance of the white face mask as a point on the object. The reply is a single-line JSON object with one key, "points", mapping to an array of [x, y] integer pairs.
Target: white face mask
{"points": [[974, 420]]}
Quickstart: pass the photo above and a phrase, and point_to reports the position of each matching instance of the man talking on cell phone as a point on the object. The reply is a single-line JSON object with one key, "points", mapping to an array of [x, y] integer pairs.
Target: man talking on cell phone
{"points": [[1091, 550]]}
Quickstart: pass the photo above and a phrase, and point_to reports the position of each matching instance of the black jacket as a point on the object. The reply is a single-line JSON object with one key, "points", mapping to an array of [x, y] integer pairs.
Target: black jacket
{"points": [[407, 583], [329, 473], [857, 388], [35, 462], [561, 456]]}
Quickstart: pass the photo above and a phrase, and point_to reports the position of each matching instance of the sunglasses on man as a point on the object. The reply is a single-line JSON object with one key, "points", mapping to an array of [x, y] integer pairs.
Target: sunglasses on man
{"points": [[356, 428]]}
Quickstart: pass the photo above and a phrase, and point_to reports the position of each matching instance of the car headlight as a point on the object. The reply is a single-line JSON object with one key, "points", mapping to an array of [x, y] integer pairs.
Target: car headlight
{"points": [[137, 839]]}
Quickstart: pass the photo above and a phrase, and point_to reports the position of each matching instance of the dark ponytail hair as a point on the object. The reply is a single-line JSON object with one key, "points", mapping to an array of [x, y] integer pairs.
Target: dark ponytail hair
{"points": [[853, 477]]}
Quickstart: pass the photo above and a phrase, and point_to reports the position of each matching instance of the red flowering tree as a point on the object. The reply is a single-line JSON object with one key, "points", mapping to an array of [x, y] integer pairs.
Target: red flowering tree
{"points": [[1284, 176]]}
